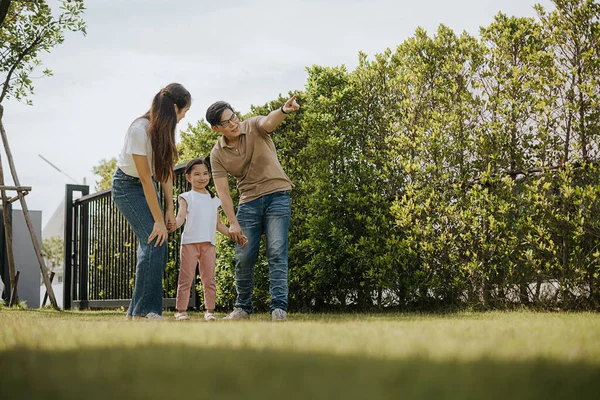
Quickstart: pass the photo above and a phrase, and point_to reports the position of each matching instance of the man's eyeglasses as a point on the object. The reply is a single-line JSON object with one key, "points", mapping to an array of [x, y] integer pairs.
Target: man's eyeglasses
{"points": [[228, 122]]}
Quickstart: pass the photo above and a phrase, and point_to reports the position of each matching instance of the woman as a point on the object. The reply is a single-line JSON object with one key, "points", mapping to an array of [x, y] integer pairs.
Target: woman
{"points": [[148, 156]]}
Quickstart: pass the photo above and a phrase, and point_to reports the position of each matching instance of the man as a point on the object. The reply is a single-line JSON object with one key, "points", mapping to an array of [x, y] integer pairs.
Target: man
{"points": [[246, 151]]}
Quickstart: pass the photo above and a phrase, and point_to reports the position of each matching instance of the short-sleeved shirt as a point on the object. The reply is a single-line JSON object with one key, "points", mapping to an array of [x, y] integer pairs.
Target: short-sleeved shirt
{"points": [[253, 162], [201, 218], [137, 141]]}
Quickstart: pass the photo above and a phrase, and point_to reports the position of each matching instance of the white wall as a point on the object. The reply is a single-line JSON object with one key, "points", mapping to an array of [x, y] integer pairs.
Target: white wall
{"points": [[58, 290], [25, 259]]}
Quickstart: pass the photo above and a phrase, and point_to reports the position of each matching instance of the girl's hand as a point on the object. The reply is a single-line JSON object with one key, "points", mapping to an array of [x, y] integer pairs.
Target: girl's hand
{"points": [[235, 233], [242, 239], [160, 233], [170, 222]]}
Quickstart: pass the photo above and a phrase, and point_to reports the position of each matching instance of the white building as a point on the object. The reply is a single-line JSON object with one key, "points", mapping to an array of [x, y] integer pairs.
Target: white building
{"points": [[55, 227]]}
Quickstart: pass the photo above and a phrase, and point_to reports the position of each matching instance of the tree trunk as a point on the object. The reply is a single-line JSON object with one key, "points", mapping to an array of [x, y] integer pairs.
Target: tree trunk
{"points": [[34, 240], [8, 236], [523, 292]]}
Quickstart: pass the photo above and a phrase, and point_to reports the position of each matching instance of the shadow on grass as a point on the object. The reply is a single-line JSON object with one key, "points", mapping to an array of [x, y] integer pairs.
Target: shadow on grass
{"points": [[176, 372]]}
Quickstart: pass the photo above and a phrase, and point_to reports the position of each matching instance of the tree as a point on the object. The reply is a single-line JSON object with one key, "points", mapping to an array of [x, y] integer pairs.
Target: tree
{"points": [[27, 29], [196, 141], [105, 170], [53, 252], [574, 27]]}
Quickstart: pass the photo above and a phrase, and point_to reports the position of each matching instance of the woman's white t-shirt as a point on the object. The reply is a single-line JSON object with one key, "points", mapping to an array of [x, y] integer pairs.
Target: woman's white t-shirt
{"points": [[137, 141], [201, 218]]}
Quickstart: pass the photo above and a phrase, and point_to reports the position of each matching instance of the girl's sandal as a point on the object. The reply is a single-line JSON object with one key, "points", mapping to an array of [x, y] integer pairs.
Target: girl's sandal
{"points": [[210, 317], [181, 316]]}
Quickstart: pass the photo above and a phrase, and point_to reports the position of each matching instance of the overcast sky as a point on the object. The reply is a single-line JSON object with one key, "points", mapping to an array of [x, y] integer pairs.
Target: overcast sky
{"points": [[244, 52]]}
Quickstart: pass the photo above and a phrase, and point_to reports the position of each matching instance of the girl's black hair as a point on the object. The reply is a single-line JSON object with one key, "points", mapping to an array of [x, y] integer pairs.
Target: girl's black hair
{"points": [[197, 161]]}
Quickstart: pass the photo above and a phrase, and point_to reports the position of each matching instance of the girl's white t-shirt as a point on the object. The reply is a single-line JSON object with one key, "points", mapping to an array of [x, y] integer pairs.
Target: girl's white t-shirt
{"points": [[137, 141], [201, 218]]}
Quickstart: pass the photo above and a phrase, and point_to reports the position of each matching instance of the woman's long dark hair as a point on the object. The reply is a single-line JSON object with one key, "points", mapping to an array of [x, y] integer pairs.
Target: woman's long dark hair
{"points": [[163, 121]]}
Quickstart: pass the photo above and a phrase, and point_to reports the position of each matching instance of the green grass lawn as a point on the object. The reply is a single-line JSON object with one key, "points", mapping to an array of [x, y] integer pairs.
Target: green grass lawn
{"points": [[98, 355]]}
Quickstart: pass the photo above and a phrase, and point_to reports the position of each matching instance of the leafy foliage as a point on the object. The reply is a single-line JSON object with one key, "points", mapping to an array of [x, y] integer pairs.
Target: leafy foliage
{"points": [[29, 29], [452, 171], [105, 170], [53, 252]]}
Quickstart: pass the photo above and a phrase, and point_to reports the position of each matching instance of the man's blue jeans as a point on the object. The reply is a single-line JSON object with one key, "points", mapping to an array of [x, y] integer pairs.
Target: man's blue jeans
{"points": [[128, 195], [269, 214]]}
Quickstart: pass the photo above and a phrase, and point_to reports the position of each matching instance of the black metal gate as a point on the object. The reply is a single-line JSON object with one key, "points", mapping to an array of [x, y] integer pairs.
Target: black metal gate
{"points": [[101, 252]]}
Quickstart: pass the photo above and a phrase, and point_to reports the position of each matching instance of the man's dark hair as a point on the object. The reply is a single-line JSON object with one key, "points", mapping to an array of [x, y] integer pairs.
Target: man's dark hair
{"points": [[214, 112]]}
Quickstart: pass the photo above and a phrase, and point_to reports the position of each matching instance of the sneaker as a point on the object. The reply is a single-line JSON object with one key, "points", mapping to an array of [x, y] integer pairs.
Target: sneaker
{"points": [[278, 315], [210, 317], [238, 313], [155, 317], [128, 317], [182, 316]]}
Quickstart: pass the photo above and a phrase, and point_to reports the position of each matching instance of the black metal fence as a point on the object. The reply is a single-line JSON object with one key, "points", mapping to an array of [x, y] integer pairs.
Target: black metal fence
{"points": [[101, 251]]}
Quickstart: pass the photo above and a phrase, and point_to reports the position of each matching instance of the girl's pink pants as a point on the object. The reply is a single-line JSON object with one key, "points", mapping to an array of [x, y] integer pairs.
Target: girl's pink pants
{"points": [[204, 255]]}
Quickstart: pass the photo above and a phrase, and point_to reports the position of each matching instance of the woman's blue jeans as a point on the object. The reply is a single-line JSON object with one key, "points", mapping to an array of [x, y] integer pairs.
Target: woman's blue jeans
{"points": [[128, 195], [269, 214]]}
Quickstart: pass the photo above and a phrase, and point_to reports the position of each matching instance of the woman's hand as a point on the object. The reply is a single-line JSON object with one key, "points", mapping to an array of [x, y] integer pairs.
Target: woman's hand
{"points": [[160, 233]]}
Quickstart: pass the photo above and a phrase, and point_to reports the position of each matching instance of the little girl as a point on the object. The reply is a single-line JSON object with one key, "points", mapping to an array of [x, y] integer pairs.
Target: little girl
{"points": [[199, 209]]}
